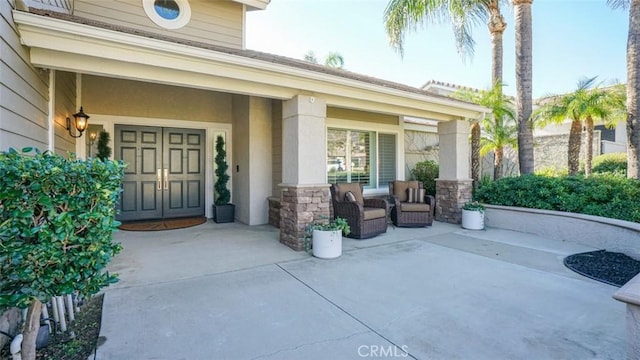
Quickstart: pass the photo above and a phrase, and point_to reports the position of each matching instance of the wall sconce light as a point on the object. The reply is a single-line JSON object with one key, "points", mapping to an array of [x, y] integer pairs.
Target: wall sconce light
{"points": [[93, 136], [81, 122]]}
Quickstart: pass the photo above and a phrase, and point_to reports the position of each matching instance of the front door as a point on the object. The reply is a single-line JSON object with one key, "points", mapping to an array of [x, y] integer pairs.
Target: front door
{"points": [[164, 177]]}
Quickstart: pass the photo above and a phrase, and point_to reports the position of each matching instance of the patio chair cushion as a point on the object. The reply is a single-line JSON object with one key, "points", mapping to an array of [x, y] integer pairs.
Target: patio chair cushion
{"points": [[374, 213], [400, 189], [344, 188], [415, 195], [414, 207], [350, 197]]}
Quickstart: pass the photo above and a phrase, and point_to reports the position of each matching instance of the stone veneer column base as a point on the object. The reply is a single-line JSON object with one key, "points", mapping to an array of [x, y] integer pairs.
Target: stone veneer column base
{"points": [[451, 195], [300, 205], [274, 211]]}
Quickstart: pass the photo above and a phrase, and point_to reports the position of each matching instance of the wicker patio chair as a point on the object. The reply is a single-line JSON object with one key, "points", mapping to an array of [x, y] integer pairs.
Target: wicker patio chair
{"points": [[366, 217], [417, 213]]}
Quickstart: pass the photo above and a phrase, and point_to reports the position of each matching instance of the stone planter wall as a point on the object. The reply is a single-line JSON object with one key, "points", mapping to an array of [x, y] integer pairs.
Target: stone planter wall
{"points": [[598, 232]]}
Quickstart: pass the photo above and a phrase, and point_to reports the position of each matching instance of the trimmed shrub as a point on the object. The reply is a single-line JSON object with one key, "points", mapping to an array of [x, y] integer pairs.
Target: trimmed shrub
{"points": [[57, 217], [615, 163], [552, 171], [601, 195], [427, 171]]}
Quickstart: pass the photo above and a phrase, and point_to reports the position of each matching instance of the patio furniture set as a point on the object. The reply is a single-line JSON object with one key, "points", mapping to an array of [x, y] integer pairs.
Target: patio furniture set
{"points": [[407, 206]]}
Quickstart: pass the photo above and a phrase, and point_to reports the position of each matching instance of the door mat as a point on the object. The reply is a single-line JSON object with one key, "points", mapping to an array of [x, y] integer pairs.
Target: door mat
{"points": [[167, 224]]}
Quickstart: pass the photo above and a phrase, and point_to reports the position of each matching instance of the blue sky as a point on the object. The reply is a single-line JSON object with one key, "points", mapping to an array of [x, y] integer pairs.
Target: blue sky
{"points": [[572, 39]]}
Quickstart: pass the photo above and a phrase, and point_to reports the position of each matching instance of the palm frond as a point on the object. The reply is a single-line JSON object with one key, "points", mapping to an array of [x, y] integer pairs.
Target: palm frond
{"points": [[619, 4]]}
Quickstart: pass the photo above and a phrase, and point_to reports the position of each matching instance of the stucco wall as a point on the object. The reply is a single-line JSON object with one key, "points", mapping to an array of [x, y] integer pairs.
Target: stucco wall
{"points": [[276, 146], [109, 96], [212, 22], [594, 231], [24, 90], [552, 150], [252, 156], [365, 116], [419, 146]]}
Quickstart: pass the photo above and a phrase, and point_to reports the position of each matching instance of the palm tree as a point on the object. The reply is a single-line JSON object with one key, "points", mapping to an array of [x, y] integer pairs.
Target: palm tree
{"points": [[403, 15], [310, 56], [498, 128], [524, 81], [633, 85], [333, 59], [587, 103]]}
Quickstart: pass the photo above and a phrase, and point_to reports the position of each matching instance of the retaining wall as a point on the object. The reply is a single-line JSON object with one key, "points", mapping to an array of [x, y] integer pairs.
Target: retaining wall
{"points": [[595, 231]]}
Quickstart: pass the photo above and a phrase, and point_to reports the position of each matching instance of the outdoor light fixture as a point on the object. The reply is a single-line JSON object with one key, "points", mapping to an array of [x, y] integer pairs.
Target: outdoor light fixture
{"points": [[93, 136], [81, 122]]}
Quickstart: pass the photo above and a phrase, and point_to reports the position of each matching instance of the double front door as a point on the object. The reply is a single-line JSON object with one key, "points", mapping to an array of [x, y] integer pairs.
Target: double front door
{"points": [[165, 175]]}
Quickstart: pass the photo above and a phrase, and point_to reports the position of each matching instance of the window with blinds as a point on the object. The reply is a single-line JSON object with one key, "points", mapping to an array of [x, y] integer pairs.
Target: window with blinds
{"points": [[352, 156]]}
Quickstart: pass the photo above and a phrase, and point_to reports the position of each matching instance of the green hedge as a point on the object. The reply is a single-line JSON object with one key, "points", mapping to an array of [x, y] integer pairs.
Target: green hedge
{"points": [[601, 195], [57, 217], [615, 163]]}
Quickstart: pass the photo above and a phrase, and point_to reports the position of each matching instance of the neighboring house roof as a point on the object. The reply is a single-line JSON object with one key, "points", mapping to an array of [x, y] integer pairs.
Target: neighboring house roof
{"points": [[441, 84], [37, 38]]}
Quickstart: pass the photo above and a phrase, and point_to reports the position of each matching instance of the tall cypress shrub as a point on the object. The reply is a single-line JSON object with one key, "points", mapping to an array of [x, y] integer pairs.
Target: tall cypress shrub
{"points": [[223, 196]]}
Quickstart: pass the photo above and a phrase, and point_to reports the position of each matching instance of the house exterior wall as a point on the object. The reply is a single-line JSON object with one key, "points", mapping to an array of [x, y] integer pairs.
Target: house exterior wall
{"points": [[276, 146], [212, 22], [65, 106], [109, 96], [357, 115], [24, 90], [252, 183]]}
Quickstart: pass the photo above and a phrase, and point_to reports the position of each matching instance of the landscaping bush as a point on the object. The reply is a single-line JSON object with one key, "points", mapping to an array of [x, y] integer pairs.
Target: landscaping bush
{"points": [[601, 194], [427, 171], [552, 171], [57, 217], [615, 163]]}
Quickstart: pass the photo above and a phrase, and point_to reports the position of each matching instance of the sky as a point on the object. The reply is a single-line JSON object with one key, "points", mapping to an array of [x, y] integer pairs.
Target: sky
{"points": [[572, 39]]}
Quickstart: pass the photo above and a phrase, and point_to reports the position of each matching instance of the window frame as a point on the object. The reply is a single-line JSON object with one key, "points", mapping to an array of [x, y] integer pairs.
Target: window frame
{"points": [[340, 124], [183, 18]]}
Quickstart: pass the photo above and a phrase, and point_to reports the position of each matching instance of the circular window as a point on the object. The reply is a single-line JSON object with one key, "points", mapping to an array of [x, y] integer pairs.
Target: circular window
{"points": [[169, 14]]}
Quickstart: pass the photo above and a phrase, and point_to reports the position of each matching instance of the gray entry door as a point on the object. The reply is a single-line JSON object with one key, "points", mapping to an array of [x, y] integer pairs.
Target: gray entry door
{"points": [[164, 177]]}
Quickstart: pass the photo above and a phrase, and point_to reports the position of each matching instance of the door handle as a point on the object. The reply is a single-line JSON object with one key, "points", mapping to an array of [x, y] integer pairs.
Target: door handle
{"points": [[159, 179], [166, 179]]}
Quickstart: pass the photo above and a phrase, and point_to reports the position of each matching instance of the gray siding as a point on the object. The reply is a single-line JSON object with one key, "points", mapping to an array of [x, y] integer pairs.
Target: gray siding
{"points": [[212, 22], [24, 93]]}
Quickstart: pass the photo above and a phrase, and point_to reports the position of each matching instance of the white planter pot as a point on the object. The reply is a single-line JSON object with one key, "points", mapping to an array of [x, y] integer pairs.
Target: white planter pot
{"points": [[472, 220], [327, 244]]}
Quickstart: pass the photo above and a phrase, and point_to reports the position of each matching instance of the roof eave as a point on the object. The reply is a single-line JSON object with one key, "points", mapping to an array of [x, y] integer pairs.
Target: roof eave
{"points": [[51, 34]]}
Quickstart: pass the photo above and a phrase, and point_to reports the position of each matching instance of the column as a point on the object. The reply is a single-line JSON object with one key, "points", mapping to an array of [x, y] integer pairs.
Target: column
{"points": [[305, 193], [454, 186]]}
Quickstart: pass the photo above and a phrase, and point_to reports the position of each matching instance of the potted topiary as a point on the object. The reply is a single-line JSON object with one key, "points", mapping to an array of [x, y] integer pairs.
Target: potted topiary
{"points": [[223, 211], [326, 237], [473, 215]]}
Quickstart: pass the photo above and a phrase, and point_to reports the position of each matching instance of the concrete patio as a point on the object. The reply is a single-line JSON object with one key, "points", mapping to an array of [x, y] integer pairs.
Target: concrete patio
{"points": [[229, 291]]}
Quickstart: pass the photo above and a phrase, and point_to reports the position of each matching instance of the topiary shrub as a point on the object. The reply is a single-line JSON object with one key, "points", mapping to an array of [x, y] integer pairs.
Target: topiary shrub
{"points": [[223, 195], [615, 163], [427, 171], [57, 217], [600, 195], [104, 151]]}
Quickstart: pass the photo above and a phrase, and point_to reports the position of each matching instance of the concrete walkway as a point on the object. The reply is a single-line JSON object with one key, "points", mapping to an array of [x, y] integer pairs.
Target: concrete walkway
{"points": [[228, 291]]}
